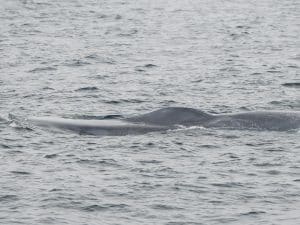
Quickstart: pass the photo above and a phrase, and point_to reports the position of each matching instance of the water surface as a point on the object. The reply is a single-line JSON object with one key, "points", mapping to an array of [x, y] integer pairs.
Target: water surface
{"points": [[89, 59]]}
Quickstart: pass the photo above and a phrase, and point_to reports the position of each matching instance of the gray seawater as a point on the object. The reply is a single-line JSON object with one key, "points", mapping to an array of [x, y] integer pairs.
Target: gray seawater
{"points": [[95, 58]]}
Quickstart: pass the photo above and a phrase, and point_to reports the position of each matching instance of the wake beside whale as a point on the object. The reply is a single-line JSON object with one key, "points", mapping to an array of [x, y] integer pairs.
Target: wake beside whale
{"points": [[173, 118]]}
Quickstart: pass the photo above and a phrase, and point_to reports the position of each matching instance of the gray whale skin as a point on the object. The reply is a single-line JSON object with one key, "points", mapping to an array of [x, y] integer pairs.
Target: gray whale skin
{"points": [[173, 118]]}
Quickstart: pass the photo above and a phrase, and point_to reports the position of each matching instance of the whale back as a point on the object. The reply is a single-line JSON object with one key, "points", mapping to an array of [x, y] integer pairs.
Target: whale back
{"points": [[173, 116], [259, 120], [167, 118]]}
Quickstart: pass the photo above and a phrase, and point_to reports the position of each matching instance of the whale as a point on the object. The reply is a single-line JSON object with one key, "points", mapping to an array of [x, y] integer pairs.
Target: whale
{"points": [[171, 118]]}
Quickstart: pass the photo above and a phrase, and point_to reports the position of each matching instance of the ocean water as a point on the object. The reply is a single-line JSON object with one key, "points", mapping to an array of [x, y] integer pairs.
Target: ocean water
{"points": [[94, 58]]}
